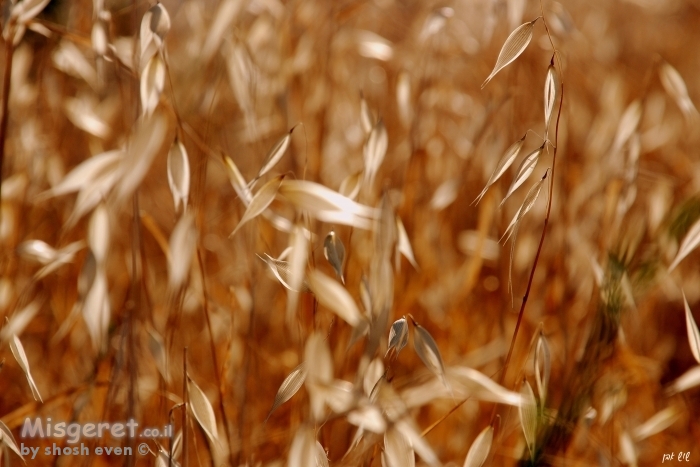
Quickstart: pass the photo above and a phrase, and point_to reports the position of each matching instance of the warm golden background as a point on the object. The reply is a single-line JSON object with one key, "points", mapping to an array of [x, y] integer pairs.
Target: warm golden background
{"points": [[239, 75]]}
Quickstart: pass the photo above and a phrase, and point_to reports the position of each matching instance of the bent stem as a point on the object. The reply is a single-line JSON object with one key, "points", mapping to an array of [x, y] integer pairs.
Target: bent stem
{"points": [[521, 313]]}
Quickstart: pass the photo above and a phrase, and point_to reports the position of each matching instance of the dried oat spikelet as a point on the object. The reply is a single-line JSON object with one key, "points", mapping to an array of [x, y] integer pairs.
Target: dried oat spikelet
{"points": [[528, 416], [551, 92], [262, 199], [506, 161], [398, 336], [281, 270], [528, 203], [290, 386], [333, 296], [514, 45], [274, 156], [527, 166], [428, 351], [202, 410]]}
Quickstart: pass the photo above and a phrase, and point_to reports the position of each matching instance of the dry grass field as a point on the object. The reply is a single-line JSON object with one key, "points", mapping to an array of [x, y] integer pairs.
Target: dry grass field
{"points": [[261, 222]]}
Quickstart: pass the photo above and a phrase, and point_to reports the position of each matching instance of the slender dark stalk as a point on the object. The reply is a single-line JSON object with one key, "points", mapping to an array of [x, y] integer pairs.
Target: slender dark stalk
{"points": [[502, 377], [185, 400]]}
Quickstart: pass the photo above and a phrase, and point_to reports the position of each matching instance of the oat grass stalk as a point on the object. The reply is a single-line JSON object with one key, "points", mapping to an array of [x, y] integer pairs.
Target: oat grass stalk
{"points": [[542, 237]]}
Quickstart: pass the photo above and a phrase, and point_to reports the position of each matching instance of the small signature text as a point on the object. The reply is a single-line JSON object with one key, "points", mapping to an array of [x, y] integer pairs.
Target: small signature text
{"points": [[681, 456]]}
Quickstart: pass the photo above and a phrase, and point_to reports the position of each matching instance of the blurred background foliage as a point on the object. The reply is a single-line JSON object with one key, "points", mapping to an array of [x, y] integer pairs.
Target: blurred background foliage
{"points": [[240, 74]]}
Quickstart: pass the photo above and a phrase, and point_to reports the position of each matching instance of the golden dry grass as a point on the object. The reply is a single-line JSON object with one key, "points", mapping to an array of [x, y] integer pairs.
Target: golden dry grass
{"points": [[239, 75]]}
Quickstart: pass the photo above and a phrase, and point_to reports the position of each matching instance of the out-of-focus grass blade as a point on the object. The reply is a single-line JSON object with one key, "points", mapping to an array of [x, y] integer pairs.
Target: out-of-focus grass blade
{"points": [[687, 380], [373, 45], [64, 256], [21, 357], [503, 164], [9, 440], [179, 174], [484, 387], [403, 98], [656, 424], [374, 151], [290, 386], [528, 416], [445, 194], [366, 118], [321, 456], [374, 372], [628, 452], [334, 251], [19, 321], [693, 333], [403, 244], [527, 166], [262, 199], [398, 450], [689, 243], [333, 296], [676, 88], [144, 144], [368, 417], [543, 359], [237, 181], [183, 242], [91, 195], [417, 442], [315, 198], [96, 310], [628, 125], [226, 13], [203, 411], [37, 250], [86, 170], [297, 267], [303, 451], [81, 112], [152, 83], [514, 45], [319, 365], [98, 233], [351, 185], [480, 448]]}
